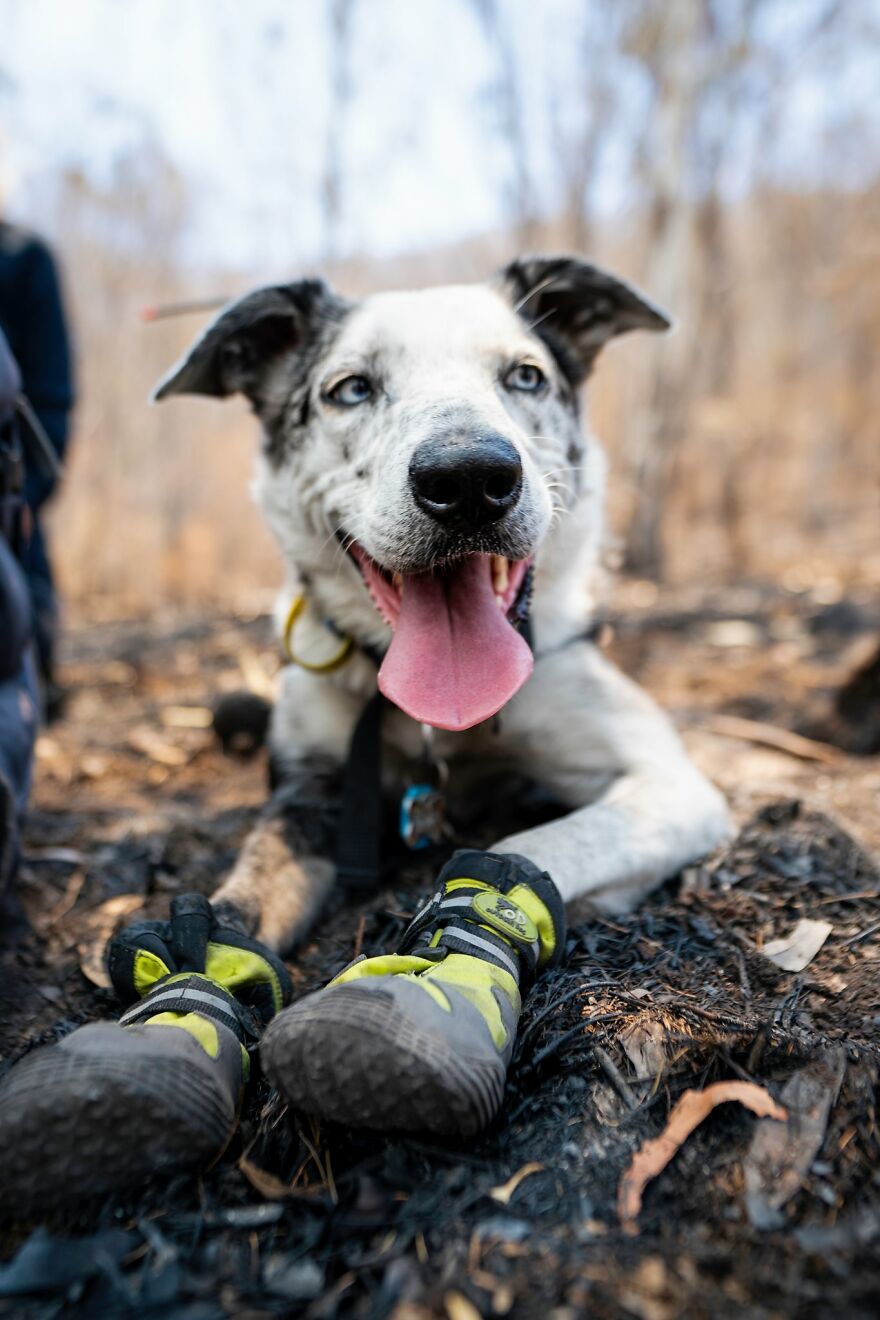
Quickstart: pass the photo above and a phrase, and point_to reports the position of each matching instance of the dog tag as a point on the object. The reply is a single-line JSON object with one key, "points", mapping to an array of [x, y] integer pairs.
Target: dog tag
{"points": [[422, 817]]}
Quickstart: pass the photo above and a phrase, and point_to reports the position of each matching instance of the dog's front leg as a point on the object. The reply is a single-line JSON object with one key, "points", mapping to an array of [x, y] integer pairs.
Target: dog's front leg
{"points": [[599, 741], [284, 871]]}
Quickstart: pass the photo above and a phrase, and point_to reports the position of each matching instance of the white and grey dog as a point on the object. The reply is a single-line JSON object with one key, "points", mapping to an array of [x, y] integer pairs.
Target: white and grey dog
{"points": [[425, 471]]}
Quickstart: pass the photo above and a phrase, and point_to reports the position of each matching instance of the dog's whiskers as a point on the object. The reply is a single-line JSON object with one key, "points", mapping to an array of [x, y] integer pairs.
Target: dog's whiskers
{"points": [[536, 288], [568, 467], [333, 534], [533, 325]]}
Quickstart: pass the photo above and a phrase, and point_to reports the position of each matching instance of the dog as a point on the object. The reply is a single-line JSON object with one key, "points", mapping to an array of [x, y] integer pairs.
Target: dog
{"points": [[427, 475]]}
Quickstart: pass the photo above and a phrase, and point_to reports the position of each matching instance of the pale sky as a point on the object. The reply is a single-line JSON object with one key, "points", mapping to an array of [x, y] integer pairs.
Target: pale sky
{"points": [[236, 95]]}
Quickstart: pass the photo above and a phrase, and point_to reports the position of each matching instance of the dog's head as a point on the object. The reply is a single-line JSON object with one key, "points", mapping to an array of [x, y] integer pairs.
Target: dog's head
{"points": [[431, 435]]}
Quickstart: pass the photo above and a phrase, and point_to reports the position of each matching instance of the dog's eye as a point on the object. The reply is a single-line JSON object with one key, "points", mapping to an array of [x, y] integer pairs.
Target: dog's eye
{"points": [[350, 391], [525, 376]]}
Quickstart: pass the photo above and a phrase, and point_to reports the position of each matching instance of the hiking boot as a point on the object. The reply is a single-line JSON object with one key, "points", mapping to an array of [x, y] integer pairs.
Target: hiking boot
{"points": [[420, 1040], [116, 1102]]}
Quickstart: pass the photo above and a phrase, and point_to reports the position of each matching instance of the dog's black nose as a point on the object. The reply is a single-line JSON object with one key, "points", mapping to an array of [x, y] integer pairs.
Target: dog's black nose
{"points": [[473, 480]]}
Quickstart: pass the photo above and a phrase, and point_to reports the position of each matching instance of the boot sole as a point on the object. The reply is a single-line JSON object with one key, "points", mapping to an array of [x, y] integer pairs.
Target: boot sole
{"points": [[352, 1057], [75, 1125]]}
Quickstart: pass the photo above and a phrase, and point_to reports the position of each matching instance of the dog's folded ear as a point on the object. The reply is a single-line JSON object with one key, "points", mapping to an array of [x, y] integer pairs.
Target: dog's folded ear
{"points": [[234, 354], [576, 307]]}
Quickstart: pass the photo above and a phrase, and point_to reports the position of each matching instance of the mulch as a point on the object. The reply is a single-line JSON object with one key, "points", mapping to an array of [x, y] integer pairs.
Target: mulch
{"points": [[647, 1006]]}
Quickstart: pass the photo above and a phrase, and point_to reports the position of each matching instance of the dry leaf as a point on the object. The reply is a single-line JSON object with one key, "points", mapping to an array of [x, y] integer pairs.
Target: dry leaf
{"points": [[797, 950], [503, 1193], [266, 1183], [687, 1114], [47, 749], [144, 740], [644, 1048], [187, 717], [606, 1104], [69, 856], [780, 1157], [255, 674], [103, 923], [67, 901], [733, 632], [503, 1298], [459, 1308], [647, 1291]]}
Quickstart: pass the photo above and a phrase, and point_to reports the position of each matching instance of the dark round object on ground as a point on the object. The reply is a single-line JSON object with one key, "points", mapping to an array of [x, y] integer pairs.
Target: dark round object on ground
{"points": [[241, 722], [843, 616], [858, 707]]}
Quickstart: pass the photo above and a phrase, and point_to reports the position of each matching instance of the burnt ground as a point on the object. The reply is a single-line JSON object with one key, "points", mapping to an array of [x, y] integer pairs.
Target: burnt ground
{"points": [[134, 803]]}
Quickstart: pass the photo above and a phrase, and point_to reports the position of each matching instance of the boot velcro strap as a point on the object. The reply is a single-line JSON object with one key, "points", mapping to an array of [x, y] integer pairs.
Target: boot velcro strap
{"points": [[192, 994], [509, 873], [424, 919], [467, 929], [461, 937]]}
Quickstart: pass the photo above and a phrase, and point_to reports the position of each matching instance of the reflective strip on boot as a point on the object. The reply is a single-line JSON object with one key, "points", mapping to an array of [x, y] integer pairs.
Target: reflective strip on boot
{"points": [[191, 993]]}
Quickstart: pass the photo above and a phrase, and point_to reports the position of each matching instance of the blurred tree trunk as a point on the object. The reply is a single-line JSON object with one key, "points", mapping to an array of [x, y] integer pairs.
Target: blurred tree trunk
{"points": [[509, 99], [668, 43], [578, 148], [340, 22]]}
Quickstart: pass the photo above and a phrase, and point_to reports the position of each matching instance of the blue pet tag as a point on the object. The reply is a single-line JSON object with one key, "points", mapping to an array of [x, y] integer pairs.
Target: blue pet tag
{"points": [[422, 817]]}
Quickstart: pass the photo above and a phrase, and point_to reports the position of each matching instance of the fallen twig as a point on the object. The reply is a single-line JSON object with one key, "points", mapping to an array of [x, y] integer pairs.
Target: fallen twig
{"points": [[861, 935], [615, 1077], [503, 1193], [687, 1114], [771, 735]]}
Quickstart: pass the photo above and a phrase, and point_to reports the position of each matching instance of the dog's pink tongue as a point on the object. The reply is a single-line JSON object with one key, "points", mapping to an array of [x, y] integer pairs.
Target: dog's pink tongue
{"points": [[454, 660]]}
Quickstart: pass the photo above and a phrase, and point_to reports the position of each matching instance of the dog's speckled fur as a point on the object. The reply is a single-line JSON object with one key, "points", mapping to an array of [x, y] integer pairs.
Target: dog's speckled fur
{"points": [[438, 360]]}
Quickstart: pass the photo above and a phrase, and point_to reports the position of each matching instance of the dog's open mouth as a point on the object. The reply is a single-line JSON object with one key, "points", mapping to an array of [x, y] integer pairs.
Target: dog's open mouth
{"points": [[455, 657]]}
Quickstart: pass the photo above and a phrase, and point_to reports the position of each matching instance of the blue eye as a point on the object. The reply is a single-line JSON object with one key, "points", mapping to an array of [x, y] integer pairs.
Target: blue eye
{"points": [[350, 391], [525, 376]]}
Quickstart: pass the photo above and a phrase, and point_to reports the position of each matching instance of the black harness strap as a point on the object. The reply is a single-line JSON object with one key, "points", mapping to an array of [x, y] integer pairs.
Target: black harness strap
{"points": [[358, 843], [359, 837]]}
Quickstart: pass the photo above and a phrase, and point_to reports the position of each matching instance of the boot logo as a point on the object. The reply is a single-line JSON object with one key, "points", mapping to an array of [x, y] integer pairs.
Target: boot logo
{"points": [[505, 916]]}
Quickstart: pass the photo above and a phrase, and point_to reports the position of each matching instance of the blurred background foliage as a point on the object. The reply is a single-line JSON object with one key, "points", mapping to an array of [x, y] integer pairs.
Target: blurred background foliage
{"points": [[725, 154]]}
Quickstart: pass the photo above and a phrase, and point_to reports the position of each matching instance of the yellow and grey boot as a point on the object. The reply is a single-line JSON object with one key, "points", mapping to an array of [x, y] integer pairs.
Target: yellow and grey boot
{"points": [[159, 1090], [420, 1040]]}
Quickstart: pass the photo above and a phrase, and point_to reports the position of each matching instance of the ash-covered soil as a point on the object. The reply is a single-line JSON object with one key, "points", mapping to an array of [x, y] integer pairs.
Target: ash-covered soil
{"points": [[134, 803]]}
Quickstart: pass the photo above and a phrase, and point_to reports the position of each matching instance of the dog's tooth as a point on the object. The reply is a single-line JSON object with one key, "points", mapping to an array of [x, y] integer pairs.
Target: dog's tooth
{"points": [[500, 574], [499, 601]]}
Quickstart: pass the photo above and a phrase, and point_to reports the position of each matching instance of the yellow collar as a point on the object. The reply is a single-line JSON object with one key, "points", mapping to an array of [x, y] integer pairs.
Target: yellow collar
{"points": [[315, 667]]}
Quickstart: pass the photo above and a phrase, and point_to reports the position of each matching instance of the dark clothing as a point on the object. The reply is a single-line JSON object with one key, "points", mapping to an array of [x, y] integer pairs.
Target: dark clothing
{"points": [[18, 696], [15, 614], [11, 454], [32, 318]]}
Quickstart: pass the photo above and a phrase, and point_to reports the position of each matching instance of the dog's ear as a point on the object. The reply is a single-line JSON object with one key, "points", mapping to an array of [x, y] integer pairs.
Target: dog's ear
{"points": [[235, 352], [576, 307]]}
